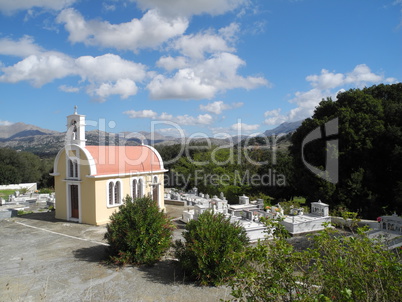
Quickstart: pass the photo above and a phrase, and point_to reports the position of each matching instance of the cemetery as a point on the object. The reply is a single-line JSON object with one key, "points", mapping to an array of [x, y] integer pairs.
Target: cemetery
{"points": [[297, 222], [25, 198], [249, 213]]}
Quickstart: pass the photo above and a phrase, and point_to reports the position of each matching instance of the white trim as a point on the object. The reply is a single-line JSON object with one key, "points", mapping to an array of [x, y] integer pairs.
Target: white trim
{"points": [[56, 162], [68, 201], [73, 181], [158, 188], [75, 162], [114, 181], [126, 174], [143, 187], [88, 161], [72, 166], [157, 155]]}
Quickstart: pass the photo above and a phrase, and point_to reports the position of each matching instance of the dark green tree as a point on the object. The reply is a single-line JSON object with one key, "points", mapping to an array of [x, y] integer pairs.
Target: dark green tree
{"points": [[139, 233], [369, 155], [211, 251]]}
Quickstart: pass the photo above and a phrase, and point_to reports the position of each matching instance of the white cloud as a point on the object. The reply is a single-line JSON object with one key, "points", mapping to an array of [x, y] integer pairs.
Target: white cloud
{"points": [[185, 84], [21, 48], [11, 6], [169, 63], [5, 123], [69, 89], [362, 75], [202, 119], [109, 67], [274, 117], [204, 79], [195, 46], [326, 84], [206, 66], [39, 69], [189, 8], [184, 120], [141, 114], [219, 106], [187, 78], [326, 80], [122, 87], [148, 32], [105, 75]]}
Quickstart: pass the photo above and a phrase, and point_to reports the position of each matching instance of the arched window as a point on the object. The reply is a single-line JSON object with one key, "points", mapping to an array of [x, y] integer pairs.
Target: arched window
{"points": [[111, 193], [155, 191], [117, 195], [114, 193], [140, 193], [135, 185], [72, 168]]}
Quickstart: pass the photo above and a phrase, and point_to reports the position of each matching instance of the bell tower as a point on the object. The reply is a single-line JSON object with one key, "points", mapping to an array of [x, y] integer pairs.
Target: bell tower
{"points": [[76, 129]]}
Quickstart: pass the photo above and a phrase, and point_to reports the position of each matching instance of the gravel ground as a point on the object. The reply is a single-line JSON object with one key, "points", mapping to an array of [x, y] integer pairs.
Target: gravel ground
{"points": [[44, 259]]}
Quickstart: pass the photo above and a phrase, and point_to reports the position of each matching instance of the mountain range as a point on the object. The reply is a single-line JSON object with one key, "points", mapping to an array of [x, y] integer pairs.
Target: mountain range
{"points": [[284, 128], [24, 137]]}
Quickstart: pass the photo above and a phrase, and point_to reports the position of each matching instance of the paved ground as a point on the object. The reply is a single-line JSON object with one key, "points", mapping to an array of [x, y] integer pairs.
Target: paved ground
{"points": [[44, 259]]}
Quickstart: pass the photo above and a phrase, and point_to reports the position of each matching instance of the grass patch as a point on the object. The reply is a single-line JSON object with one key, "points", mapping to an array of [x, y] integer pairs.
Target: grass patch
{"points": [[22, 212], [299, 199], [5, 193]]}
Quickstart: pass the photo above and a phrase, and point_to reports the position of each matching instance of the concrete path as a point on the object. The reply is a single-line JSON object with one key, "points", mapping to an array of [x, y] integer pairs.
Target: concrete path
{"points": [[43, 259]]}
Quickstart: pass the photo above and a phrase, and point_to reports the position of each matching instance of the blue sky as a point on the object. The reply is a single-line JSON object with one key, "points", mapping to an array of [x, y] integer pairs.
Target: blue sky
{"points": [[201, 66]]}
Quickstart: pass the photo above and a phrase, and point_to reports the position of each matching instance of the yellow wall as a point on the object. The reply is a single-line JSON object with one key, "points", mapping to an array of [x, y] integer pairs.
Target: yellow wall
{"points": [[103, 212], [93, 195], [60, 189]]}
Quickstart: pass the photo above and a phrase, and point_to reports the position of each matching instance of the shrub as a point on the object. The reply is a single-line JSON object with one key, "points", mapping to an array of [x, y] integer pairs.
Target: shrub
{"points": [[212, 247], [46, 191], [139, 233], [268, 274], [337, 268]]}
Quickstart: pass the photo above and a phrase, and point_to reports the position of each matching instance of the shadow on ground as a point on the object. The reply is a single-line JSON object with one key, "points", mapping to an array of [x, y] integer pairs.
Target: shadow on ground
{"points": [[44, 216], [166, 272], [96, 253]]}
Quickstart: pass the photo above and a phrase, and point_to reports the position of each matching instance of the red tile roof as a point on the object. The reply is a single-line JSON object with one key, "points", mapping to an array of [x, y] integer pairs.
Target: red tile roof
{"points": [[112, 160]]}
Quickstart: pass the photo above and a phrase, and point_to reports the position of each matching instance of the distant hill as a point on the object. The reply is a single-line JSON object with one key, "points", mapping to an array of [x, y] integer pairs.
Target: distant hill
{"points": [[22, 129], [284, 128], [24, 137]]}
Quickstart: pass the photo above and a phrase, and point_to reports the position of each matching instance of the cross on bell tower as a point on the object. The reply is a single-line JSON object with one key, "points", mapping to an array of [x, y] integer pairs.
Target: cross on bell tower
{"points": [[76, 129]]}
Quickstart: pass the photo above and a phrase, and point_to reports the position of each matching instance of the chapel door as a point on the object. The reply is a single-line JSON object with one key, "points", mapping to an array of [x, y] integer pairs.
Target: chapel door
{"points": [[74, 201]]}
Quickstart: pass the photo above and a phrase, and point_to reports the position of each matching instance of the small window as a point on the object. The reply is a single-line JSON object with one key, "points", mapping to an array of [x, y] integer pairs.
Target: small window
{"points": [[114, 193], [72, 168], [111, 193], [135, 188], [140, 192], [155, 191], [117, 197]]}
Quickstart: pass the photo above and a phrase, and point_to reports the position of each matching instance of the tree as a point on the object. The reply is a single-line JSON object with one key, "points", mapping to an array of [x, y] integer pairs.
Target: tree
{"points": [[212, 247], [335, 268], [369, 155], [139, 233]]}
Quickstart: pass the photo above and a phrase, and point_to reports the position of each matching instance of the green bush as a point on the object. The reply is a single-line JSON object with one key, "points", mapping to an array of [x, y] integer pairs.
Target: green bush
{"points": [[212, 247], [46, 190], [139, 233], [336, 268]]}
